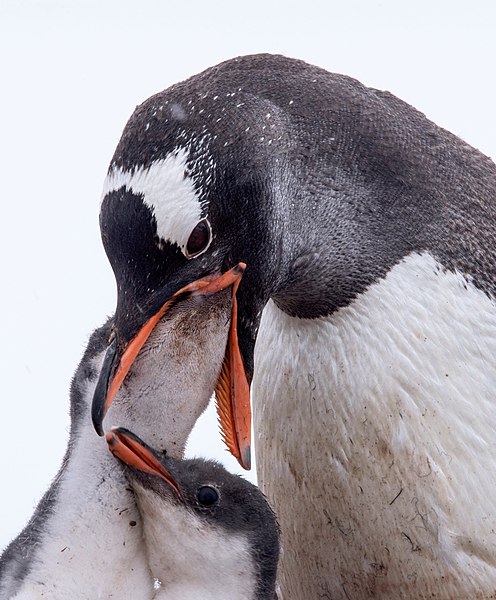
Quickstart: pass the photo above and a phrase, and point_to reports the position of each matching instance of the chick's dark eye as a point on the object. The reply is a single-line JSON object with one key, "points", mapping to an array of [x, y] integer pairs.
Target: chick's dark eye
{"points": [[207, 495], [199, 239]]}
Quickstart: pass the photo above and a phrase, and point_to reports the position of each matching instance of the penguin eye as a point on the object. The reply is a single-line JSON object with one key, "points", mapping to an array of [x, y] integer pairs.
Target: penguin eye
{"points": [[199, 239], [207, 495]]}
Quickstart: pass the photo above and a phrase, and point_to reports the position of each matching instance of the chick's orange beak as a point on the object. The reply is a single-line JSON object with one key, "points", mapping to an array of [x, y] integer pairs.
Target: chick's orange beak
{"points": [[130, 450]]}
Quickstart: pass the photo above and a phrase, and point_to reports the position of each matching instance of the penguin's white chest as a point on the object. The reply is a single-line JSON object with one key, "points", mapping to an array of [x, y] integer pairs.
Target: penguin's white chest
{"points": [[376, 443]]}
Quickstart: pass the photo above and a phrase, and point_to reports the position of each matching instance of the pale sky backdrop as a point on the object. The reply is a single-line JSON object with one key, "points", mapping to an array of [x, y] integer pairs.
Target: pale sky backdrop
{"points": [[72, 72]]}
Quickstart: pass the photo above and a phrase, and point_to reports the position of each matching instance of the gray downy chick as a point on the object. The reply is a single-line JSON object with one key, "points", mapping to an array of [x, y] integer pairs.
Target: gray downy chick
{"points": [[208, 533]]}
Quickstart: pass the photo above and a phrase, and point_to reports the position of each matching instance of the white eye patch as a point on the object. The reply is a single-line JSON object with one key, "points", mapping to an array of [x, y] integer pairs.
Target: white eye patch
{"points": [[167, 191]]}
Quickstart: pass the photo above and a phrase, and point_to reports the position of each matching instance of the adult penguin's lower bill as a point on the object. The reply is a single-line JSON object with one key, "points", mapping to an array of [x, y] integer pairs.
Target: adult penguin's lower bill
{"points": [[354, 243]]}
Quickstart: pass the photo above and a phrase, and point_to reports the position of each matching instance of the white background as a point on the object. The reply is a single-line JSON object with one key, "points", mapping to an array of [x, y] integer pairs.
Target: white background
{"points": [[72, 73]]}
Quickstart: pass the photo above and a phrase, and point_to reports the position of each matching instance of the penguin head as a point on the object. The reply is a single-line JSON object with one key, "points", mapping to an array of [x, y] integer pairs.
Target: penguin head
{"points": [[212, 510], [189, 221]]}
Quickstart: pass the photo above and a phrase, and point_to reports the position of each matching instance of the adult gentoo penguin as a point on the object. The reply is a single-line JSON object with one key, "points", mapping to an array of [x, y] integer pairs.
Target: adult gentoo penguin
{"points": [[209, 534], [85, 539], [365, 321]]}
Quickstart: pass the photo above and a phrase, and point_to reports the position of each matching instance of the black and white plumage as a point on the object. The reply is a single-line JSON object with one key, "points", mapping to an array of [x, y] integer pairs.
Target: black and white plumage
{"points": [[366, 315], [85, 539], [366, 318], [208, 533]]}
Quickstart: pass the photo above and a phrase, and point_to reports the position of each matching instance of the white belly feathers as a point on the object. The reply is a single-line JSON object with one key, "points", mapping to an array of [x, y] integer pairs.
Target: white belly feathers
{"points": [[387, 410]]}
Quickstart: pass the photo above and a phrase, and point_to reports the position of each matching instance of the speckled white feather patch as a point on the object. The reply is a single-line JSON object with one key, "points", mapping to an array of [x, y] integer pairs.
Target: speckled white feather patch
{"points": [[167, 190]]}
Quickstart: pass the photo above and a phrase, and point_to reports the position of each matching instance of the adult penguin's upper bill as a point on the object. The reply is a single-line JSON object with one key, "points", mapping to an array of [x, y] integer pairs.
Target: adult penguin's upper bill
{"points": [[368, 235]]}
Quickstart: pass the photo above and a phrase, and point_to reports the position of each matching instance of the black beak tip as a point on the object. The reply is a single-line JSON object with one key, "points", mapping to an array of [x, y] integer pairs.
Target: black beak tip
{"points": [[246, 464], [97, 420], [98, 407]]}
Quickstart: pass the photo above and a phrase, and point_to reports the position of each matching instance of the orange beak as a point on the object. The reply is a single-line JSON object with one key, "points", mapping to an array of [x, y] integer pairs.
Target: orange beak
{"points": [[130, 450], [232, 388]]}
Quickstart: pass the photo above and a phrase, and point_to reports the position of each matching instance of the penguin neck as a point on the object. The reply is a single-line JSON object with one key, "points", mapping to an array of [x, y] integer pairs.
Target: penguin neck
{"points": [[382, 199], [162, 404], [91, 544]]}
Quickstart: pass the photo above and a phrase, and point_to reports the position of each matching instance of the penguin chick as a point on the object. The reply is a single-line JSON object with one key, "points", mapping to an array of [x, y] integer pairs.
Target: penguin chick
{"points": [[208, 533]]}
